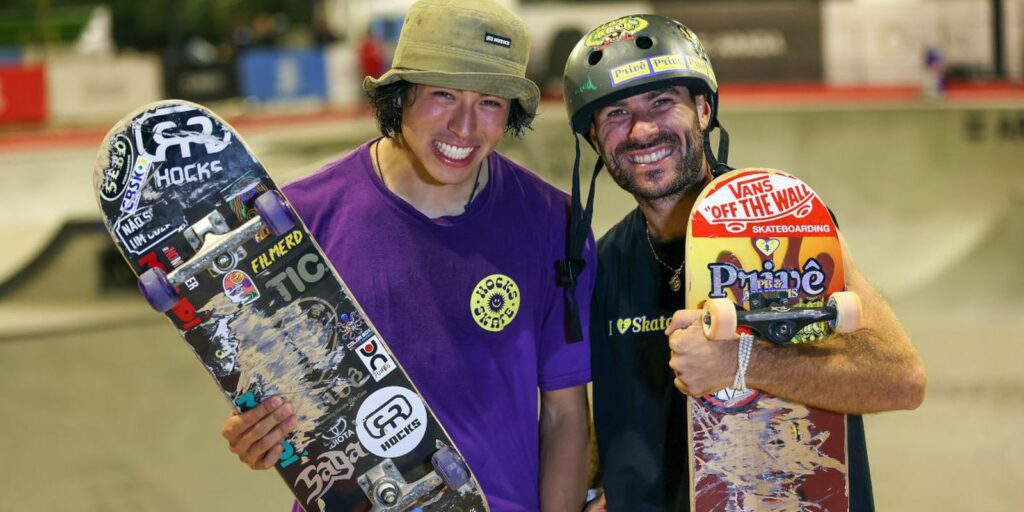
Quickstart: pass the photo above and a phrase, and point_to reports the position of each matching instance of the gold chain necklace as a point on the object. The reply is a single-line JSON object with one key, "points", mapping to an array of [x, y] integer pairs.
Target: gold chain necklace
{"points": [[674, 283]]}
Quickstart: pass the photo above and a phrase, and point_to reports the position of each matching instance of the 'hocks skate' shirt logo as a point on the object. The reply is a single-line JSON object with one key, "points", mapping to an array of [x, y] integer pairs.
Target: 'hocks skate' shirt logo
{"points": [[494, 302], [391, 422]]}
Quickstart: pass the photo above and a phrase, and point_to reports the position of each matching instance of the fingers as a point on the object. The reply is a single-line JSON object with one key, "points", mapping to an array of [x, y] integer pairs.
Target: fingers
{"points": [[681, 386], [238, 424], [682, 319], [265, 436], [270, 458], [256, 435]]}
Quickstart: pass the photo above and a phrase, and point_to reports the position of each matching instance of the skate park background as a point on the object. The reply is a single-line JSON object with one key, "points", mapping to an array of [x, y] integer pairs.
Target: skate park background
{"points": [[105, 409]]}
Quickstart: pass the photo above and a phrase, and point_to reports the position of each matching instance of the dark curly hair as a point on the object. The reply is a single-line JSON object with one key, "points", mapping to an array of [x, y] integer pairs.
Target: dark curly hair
{"points": [[388, 110]]}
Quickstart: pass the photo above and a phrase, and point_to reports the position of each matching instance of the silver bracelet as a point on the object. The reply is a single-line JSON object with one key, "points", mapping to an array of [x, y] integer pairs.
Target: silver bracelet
{"points": [[743, 360]]}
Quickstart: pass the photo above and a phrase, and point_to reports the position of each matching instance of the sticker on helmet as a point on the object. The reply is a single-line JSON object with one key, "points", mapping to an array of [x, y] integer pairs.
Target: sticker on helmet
{"points": [[622, 29], [629, 71], [663, 63], [659, 64]]}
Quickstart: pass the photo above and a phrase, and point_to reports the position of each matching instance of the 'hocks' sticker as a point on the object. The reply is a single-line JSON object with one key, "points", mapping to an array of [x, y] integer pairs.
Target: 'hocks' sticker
{"points": [[391, 422]]}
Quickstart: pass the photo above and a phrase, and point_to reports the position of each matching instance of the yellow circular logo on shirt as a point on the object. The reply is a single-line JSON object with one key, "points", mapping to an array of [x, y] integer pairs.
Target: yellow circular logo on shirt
{"points": [[495, 302]]}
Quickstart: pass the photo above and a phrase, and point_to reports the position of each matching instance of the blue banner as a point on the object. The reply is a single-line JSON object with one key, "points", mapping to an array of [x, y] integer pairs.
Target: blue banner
{"points": [[277, 74]]}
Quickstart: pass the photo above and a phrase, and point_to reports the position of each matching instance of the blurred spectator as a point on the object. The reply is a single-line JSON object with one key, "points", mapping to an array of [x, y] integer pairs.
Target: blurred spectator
{"points": [[371, 55], [935, 74]]}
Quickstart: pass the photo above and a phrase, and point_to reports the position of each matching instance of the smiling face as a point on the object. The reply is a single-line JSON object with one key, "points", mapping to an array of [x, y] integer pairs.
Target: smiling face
{"points": [[449, 132], [652, 142]]}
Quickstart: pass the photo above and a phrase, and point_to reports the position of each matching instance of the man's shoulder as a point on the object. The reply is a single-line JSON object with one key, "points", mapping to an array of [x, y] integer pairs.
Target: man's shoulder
{"points": [[530, 183]]}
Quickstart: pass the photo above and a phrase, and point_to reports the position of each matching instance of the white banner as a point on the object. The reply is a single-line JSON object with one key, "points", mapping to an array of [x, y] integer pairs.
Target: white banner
{"points": [[90, 89]]}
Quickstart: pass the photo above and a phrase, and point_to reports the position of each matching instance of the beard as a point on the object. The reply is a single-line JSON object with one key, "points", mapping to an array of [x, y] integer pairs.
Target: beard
{"points": [[685, 175]]}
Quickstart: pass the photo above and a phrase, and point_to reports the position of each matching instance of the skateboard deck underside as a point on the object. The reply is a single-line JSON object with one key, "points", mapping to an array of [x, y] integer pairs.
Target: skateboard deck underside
{"points": [[272, 317], [767, 234]]}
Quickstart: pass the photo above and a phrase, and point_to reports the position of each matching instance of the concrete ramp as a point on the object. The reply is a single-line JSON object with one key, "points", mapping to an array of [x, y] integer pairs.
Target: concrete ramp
{"points": [[64, 266]]}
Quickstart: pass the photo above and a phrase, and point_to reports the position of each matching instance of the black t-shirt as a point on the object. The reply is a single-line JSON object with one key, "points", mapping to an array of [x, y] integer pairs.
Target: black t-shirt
{"points": [[639, 415]]}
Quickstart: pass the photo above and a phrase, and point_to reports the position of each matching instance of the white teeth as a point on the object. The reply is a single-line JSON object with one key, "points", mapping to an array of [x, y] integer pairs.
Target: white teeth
{"points": [[452, 152], [651, 158]]}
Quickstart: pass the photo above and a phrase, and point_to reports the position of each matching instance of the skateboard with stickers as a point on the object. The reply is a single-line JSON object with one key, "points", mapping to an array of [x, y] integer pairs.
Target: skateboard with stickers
{"points": [[219, 250], [763, 259]]}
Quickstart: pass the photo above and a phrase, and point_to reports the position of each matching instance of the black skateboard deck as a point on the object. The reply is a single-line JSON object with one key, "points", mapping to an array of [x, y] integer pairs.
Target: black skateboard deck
{"points": [[221, 252]]}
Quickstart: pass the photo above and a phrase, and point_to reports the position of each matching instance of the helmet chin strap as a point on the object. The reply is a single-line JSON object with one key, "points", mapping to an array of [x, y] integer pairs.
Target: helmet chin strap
{"points": [[718, 165], [580, 218]]}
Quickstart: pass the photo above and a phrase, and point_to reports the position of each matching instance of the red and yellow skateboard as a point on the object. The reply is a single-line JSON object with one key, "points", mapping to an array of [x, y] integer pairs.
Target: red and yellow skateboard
{"points": [[763, 258]]}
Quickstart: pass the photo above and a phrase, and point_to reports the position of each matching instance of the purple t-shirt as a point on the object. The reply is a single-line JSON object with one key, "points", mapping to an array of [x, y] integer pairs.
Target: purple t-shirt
{"points": [[469, 304]]}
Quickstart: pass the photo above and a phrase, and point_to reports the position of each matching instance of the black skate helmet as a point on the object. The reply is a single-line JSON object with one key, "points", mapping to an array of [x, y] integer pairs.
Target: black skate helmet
{"points": [[631, 55]]}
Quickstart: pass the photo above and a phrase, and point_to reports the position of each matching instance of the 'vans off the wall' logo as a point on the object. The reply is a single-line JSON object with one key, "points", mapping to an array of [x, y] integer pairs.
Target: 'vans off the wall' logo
{"points": [[757, 199], [391, 422], [180, 127]]}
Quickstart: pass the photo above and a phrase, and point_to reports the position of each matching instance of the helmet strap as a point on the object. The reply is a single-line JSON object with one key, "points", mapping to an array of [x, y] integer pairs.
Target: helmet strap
{"points": [[580, 218], [718, 165]]}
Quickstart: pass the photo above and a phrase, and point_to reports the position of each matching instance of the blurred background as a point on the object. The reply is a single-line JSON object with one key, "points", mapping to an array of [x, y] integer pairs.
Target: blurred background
{"points": [[906, 116]]}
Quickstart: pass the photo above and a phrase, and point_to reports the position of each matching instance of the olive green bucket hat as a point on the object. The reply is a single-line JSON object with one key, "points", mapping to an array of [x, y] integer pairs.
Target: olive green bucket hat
{"points": [[472, 45]]}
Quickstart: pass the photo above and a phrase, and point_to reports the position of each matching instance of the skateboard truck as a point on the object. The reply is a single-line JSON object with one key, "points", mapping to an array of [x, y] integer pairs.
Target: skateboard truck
{"points": [[388, 491], [216, 246], [779, 323]]}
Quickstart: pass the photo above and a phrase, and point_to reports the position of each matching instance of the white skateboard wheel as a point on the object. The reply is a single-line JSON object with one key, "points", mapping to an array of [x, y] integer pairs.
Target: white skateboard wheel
{"points": [[719, 319], [848, 311]]}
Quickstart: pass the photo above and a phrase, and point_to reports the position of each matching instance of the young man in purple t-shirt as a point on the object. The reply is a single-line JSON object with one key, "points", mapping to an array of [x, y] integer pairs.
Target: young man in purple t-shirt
{"points": [[452, 250]]}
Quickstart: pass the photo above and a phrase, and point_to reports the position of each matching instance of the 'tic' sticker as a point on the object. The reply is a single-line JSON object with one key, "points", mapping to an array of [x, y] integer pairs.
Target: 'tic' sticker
{"points": [[391, 422]]}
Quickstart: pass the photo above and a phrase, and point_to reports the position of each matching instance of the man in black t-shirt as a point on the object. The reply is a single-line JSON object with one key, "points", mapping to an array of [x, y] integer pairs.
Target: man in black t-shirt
{"points": [[642, 92]]}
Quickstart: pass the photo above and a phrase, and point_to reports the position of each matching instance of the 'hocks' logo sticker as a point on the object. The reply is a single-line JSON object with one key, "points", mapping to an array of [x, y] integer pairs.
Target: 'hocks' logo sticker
{"points": [[179, 127], [391, 422], [494, 302]]}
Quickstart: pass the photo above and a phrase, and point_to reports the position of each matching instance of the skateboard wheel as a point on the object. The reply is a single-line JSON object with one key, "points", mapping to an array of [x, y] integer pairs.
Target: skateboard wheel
{"points": [[848, 311], [275, 213], [450, 468], [719, 319], [158, 292]]}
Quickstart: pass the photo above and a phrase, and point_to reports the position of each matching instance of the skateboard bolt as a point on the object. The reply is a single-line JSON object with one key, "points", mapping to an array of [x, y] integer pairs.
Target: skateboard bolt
{"points": [[223, 261], [387, 493]]}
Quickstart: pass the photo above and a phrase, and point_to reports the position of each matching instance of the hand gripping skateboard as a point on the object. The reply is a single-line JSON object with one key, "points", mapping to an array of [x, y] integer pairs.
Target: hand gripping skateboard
{"points": [[220, 251], [763, 258]]}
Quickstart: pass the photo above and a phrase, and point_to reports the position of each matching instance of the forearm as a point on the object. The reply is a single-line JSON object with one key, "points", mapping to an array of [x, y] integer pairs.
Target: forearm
{"points": [[563, 456], [870, 370]]}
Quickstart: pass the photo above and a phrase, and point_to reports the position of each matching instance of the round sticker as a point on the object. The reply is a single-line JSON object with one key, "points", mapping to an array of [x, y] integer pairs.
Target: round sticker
{"points": [[391, 422], [494, 302]]}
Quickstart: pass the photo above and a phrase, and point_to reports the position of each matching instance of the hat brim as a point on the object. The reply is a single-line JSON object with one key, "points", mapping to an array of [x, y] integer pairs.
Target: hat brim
{"points": [[496, 84]]}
